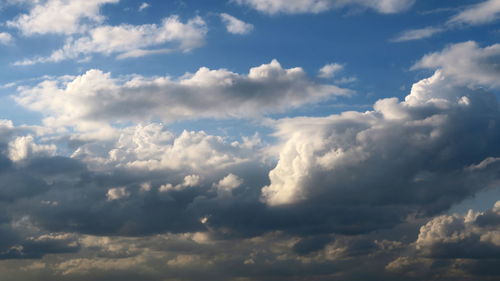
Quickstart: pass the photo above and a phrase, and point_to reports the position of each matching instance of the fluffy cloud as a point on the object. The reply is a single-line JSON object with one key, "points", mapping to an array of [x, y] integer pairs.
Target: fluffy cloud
{"points": [[234, 25], [473, 236], [117, 193], [317, 6], [409, 155], [481, 13], [461, 247], [132, 40], [477, 66], [97, 97], [59, 16], [226, 185]]}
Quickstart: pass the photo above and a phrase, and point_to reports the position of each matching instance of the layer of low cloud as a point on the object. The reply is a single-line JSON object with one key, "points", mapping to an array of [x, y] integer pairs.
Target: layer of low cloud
{"points": [[317, 6], [144, 203]]}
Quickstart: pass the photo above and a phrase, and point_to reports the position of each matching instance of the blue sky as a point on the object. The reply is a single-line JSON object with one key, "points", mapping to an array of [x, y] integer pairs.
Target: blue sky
{"points": [[292, 140], [358, 38]]}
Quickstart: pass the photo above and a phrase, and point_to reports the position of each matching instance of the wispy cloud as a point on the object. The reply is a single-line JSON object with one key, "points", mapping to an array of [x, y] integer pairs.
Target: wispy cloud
{"points": [[131, 40], [234, 25]]}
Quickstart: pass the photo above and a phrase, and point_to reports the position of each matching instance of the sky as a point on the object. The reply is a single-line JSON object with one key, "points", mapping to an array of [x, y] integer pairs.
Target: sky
{"points": [[249, 140]]}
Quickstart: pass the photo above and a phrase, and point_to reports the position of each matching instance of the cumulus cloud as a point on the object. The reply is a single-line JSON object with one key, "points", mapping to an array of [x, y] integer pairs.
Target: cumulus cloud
{"points": [[5, 38], [226, 185], [131, 40], [477, 66], [346, 159], [24, 147], [97, 97], [481, 13], [59, 16], [317, 6], [234, 25], [475, 235]]}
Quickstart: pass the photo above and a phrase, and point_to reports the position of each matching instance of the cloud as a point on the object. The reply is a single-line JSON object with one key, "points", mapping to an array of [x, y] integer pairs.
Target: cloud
{"points": [[417, 34], [60, 16], [117, 193], [478, 14], [226, 185], [144, 6], [317, 6], [131, 40], [477, 66], [5, 38], [473, 236], [329, 70], [481, 13], [399, 155], [234, 25], [97, 97]]}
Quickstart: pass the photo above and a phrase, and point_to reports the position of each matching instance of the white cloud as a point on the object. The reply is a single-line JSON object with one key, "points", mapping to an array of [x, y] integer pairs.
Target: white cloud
{"points": [[475, 235], [117, 193], [226, 185], [335, 159], [330, 70], [60, 16], [189, 181], [25, 147], [481, 13], [143, 6], [96, 98], [234, 25], [5, 38], [132, 40], [467, 63], [152, 147], [417, 34], [317, 6]]}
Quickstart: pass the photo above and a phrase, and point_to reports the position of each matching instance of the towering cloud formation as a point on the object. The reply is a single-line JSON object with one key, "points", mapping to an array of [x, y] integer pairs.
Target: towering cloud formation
{"points": [[410, 153]]}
